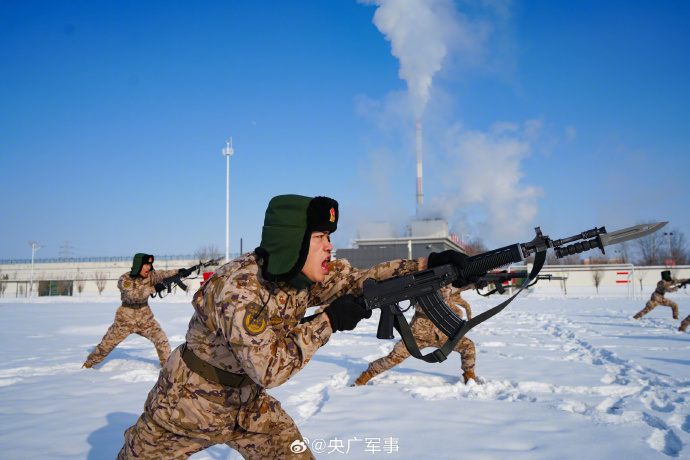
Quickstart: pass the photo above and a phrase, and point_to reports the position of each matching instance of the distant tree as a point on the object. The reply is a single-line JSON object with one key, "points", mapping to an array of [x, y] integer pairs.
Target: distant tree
{"points": [[475, 246], [597, 276], [207, 252], [678, 248], [3, 284], [100, 278], [648, 249], [80, 282]]}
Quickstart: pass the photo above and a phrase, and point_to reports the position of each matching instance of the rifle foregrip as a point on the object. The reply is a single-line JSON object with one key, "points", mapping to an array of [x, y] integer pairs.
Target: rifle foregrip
{"points": [[481, 263]]}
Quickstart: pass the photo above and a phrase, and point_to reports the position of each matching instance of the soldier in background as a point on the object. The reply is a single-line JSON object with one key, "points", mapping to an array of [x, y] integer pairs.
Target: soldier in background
{"points": [[249, 333], [666, 284], [427, 335], [135, 316]]}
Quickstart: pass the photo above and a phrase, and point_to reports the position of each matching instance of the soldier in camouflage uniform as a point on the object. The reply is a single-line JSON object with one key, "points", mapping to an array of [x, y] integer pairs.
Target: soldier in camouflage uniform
{"points": [[452, 296], [666, 284], [427, 335], [249, 333], [135, 316]]}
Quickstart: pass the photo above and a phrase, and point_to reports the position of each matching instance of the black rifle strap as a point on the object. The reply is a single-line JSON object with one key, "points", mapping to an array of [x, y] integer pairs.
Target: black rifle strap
{"points": [[440, 354]]}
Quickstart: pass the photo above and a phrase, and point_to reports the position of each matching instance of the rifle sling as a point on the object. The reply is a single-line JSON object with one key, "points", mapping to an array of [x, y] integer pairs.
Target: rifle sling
{"points": [[440, 354]]}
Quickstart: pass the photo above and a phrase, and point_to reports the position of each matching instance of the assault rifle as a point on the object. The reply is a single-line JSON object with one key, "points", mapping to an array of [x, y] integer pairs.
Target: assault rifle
{"points": [[422, 287], [171, 281], [684, 283], [497, 279]]}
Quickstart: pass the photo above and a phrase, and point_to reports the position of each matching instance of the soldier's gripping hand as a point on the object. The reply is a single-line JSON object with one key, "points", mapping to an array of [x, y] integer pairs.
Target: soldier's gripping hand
{"points": [[185, 272], [159, 287], [436, 259], [344, 313]]}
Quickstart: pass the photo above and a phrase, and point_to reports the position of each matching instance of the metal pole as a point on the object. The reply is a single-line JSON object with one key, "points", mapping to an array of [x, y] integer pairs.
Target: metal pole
{"points": [[227, 210], [228, 151]]}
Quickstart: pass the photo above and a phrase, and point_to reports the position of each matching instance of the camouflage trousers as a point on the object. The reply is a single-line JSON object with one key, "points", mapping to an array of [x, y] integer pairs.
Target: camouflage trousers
{"points": [[464, 304], [685, 323], [426, 335], [656, 300], [131, 321], [185, 413]]}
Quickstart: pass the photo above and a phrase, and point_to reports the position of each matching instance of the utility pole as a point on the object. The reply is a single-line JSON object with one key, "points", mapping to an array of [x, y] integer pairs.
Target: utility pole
{"points": [[228, 152], [34, 247]]}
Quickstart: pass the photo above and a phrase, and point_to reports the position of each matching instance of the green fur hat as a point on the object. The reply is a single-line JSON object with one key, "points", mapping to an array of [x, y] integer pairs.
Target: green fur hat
{"points": [[139, 260], [666, 275], [286, 234]]}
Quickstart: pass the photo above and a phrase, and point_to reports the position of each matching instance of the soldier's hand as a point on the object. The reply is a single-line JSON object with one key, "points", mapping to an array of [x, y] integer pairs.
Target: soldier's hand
{"points": [[159, 287], [344, 313], [436, 259], [185, 272]]}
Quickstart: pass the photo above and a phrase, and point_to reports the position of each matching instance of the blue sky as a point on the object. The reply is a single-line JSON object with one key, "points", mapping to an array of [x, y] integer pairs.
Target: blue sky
{"points": [[113, 115]]}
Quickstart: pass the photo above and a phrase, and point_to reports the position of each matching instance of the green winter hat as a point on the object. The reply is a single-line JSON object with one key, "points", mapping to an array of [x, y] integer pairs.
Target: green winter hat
{"points": [[666, 275], [286, 234], [139, 260]]}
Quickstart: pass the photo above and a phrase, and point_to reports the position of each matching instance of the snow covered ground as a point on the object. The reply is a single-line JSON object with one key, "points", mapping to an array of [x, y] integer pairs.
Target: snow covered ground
{"points": [[565, 378]]}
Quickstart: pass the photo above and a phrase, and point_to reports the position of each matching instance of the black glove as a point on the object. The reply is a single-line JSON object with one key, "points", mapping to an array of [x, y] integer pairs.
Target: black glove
{"points": [[344, 313], [185, 272], [159, 287], [456, 258]]}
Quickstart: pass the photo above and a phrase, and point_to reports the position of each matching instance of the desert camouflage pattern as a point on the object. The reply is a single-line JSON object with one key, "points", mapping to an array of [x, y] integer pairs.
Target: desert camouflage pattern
{"points": [[452, 296], [426, 335], [662, 287], [134, 291], [246, 325], [684, 324]]}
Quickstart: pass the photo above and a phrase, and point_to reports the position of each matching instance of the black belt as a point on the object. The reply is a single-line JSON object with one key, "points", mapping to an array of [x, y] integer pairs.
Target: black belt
{"points": [[135, 306], [213, 373]]}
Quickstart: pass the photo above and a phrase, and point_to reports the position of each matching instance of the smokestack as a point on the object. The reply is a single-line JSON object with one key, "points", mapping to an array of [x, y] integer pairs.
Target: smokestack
{"points": [[420, 192]]}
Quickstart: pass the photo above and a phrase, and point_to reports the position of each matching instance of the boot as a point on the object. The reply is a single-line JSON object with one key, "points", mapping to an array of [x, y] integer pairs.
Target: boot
{"points": [[682, 327], [675, 316], [86, 365], [469, 375], [363, 379], [637, 316]]}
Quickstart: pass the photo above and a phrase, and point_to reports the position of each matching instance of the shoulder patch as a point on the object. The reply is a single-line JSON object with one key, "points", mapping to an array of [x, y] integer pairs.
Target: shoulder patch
{"points": [[255, 319], [127, 284]]}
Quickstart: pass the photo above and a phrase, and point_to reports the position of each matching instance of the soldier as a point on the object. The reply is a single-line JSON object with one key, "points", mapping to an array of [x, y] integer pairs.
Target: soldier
{"points": [[684, 324], [427, 335], [667, 284], [452, 296], [248, 333], [135, 316]]}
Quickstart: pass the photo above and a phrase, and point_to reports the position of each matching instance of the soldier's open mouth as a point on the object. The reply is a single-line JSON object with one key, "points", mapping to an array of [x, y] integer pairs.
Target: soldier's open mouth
{"points": [[324, 265]]}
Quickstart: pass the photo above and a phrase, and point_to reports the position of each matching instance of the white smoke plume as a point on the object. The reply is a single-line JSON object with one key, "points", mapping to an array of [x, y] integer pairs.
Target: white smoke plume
{"points": [[422, 34], [482, 188]]}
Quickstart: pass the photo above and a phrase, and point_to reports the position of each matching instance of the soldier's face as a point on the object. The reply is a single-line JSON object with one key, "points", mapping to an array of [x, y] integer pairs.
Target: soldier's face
{"points": [[145, 269], [320, 248]]}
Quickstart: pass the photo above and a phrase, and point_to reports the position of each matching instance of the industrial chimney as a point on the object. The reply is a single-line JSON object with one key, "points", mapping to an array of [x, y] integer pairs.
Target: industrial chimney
{"points": [[420, 192]]}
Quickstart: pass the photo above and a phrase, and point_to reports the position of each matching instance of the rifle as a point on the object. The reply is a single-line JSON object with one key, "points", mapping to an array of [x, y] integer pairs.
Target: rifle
{"points": [[684, 283], [176, 279], [422, 287], [497, 279]]}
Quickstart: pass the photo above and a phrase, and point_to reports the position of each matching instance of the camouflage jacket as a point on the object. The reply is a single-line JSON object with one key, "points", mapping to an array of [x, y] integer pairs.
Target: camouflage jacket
{"points": [[246, 325], [662, 287], [136, 290]]}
